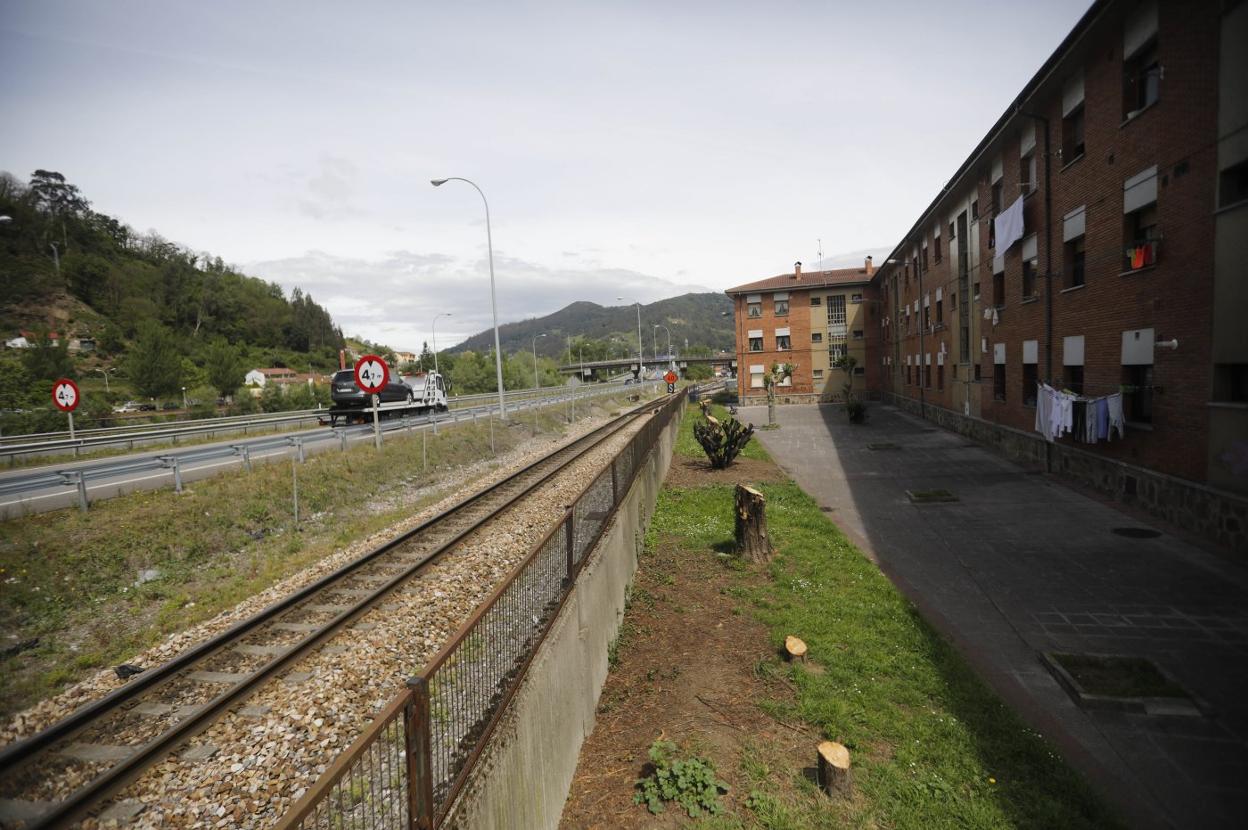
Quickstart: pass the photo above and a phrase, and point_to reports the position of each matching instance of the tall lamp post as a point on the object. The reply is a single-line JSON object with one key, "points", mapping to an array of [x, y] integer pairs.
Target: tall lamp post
{"points": [[670, 362], [435, 337], [641, 359], [105, 372], [534, 345], [489, 241]]}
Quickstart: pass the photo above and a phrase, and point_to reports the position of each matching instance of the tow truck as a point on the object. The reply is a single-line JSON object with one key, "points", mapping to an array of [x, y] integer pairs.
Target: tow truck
{"points": [[425, 393]]}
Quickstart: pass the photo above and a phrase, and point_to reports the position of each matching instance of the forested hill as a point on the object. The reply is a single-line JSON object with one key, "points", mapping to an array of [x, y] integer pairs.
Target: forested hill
{"points": [[698, 318], [54, 244]]}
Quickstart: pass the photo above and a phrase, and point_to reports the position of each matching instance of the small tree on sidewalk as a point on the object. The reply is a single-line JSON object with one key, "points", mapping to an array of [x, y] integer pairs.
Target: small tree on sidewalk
{"points": [[780, 372], [854, 408]]}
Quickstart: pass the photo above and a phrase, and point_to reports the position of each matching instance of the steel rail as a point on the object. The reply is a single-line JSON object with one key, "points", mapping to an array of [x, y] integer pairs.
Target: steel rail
{"points": [[124, 771]]}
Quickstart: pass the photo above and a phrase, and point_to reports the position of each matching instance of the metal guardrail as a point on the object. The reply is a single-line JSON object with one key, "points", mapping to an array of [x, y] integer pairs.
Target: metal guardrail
{"points": [[128, 434], [414, 759]]}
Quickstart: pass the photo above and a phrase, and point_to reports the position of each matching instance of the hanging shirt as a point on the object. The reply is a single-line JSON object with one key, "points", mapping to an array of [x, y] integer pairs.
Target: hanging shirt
{"points": [[1008, 226], [1117, 421], [1102, 419], [1042, 411]]}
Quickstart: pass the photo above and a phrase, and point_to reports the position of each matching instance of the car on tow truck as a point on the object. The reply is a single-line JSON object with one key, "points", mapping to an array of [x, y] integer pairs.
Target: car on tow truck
{"points": [[345, 393]]}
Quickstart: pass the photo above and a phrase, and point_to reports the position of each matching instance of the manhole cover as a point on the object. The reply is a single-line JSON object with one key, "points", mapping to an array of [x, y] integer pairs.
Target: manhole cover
{"points": [[1137, 532], [930, 496], [883, 445], [1122, 682]]}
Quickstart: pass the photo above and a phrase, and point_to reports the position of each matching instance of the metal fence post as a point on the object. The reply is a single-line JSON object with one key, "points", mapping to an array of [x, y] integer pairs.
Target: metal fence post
{"points": [[571, 544], [75, 477], [172, 461], [245, 452], [342, 439], [419, 756], [297, 443]]}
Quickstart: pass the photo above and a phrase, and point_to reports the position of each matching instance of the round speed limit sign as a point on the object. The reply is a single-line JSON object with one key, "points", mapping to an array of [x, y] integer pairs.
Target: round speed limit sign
{"points": [[65, 395], [371, 374]]}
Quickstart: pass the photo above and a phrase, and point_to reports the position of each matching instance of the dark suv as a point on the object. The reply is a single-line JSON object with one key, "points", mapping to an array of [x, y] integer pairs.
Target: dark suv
{"points": [[345, 393]]}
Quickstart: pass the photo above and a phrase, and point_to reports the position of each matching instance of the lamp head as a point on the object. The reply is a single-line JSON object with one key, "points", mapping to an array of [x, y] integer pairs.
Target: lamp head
{"points": [[437, 182]]}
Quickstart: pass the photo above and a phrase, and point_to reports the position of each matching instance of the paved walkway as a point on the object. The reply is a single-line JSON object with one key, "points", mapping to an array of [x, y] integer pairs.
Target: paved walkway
{"points": [[1021, 564]]}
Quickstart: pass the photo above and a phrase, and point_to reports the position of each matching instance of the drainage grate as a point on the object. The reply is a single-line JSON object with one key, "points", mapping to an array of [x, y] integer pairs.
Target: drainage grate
{"points": [[1137, 532], [883, 445], [930, 496]]}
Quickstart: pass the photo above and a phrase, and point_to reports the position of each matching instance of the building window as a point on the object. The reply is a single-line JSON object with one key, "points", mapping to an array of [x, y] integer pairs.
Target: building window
{"points": [[952, 231], [940, 377], [940, 311], [755, 310], [836, 353], [816, 337], [1072, 135], [782, 307], [1137, 393], [975, 289], [1142, 238], [816, 299], [756, 344], [996, 199], [1029, 276], [860, 370], [998, 290], [1074, 262], [857, 334], [1230, 382], [1072, 379], [756, 381], [927, 376], [975, 208], [855, 299], [1141, 81], [782, 342], [1030, 381], [836, 315], [924, 258], [1027, 173], [1233, 184], [979, 372], [998, 381], [936, 248], [785, 381], [817, 374], [908, 375]]}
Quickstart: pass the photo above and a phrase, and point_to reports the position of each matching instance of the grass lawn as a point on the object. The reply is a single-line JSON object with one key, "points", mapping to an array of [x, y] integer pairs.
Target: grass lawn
{"points": [[68, 592], [931, 745]]}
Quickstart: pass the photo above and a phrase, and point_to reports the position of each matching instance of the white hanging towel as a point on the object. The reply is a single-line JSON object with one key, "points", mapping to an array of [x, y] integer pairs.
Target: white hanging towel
{"points": [[1117, 421], [1008, 226], [996, 318]]}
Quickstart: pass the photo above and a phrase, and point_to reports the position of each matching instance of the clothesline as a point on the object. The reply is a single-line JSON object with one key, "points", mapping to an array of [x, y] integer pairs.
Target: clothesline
{"points": [[1085, 419]]}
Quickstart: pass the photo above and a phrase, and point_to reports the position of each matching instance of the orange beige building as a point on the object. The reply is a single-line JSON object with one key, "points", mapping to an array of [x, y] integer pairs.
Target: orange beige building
{"points": [[809, 321]]}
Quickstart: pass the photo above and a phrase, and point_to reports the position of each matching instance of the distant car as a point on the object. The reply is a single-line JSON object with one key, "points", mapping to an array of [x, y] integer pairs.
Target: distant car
{"points": [[147, 407], [345, 393], [128, 406]]}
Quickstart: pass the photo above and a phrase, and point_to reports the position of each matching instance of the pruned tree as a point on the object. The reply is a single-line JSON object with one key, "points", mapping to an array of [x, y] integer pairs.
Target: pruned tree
{"points": [[854, 408], [780, 372], [721, 441]]}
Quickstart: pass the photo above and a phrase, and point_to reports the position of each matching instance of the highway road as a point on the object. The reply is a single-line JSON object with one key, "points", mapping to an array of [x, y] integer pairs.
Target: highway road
{"points": [[55, 487]]}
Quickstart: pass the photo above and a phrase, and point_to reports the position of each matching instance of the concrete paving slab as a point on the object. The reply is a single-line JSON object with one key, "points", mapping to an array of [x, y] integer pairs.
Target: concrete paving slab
{"points": [[1021, 564]]}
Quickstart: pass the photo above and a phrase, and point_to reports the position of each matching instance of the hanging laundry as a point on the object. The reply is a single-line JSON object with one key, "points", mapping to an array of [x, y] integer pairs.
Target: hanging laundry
{"points": [[1042, 411], [1137, 257], [1078, 424], [1008, 226], [1102, 419], [987, 313], [1117, 421], [996, 318]]}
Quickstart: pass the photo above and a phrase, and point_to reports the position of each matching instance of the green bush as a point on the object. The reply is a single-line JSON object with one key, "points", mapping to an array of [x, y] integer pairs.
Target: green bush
{"points": [[690, 782]]}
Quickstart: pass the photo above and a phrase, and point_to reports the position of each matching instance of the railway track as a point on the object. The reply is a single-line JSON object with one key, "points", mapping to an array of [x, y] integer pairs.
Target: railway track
{"points": [[59, 774]]}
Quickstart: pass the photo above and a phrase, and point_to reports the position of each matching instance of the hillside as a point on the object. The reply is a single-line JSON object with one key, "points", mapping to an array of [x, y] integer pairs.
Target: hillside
{"points": [[698, 318]]}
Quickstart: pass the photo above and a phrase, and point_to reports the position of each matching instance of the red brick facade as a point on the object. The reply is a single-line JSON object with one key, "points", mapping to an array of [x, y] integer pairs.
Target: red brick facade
{"points": [[1171, 295]]}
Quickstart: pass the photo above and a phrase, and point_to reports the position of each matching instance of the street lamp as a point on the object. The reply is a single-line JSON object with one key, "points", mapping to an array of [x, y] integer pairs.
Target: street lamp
{"points": [[435, 337], [104, 372], [534, 344], [640, 357], [185, 405], [670, 362], [489, 241]]}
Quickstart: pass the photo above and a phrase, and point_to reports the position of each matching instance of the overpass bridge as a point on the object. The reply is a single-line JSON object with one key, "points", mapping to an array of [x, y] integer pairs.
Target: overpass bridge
{"points": [[602, 369]]}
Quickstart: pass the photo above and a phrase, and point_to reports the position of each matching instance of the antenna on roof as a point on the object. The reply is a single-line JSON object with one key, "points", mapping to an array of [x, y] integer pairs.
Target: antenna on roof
{"points": [[820, 241]]}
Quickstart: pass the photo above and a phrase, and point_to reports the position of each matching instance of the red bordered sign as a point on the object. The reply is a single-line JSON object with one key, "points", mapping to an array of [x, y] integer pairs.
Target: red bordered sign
{"points": [[371, 374], [671, 377], [65, 395]]}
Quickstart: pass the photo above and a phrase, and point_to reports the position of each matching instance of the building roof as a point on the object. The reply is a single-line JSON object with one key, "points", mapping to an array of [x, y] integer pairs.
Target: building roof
{"points": [[808, 279]]}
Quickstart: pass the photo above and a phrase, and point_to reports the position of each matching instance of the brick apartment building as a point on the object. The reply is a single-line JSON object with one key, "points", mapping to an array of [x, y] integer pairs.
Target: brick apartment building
{"points": [[1129, 153], [808, 320]]}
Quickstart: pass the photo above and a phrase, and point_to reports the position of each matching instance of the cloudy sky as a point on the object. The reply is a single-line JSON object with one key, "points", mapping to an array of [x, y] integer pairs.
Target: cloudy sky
{"points": [[641, 149]]}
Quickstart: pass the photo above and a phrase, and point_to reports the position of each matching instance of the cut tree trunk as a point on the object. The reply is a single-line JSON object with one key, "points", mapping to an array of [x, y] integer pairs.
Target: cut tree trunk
{"points": [[751, 525], [795, 648], [833, 769]]}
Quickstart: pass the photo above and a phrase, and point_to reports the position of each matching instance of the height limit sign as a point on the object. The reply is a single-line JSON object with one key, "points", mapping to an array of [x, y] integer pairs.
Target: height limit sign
{"points": [[372, 375]]}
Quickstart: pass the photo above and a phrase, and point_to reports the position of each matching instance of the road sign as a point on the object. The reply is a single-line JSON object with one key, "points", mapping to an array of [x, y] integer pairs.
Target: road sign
{"points": [[671, 387], [65, 395], [371, 374], [671, 377]]}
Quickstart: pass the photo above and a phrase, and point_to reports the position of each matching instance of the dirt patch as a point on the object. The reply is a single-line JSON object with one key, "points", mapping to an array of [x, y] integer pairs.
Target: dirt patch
{"points": [[697, 472], [692, 666]]}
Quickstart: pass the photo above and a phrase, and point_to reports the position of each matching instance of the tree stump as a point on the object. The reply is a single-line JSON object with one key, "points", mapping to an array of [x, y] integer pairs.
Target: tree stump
{"points": [[795, 649], [751, 525], [833, 764]]}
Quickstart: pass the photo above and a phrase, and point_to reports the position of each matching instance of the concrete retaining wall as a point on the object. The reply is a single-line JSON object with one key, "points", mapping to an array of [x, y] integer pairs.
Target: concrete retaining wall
{"points": [[1216, 515], [526, 772]]}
